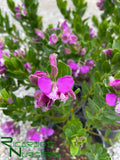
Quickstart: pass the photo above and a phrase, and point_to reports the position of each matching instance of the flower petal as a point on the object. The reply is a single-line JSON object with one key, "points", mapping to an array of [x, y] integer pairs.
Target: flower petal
{"points": [[111, 99], [45, 84], [65, 84]]}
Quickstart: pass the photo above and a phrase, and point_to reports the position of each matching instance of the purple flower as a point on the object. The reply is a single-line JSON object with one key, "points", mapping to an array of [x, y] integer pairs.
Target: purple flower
{"points": [[17, 9], [34, 77], [1, 45], [46, 132], [9, 100], [83, 51], [28, 66], [3, 69], [53, 39], [114, 82], [33, 135], [100, 4], [73, 39], [72, 65], [84, 69], [22, 52], [92, 33], [111, 99], [35, 40], [7, 53], [16, 53], [64, 25], [53, 63], [65, 37], [41, 136], [18, 15], [39, 33], [15, 40], [103, 45], [1, 53], [42, 101], [54, 29], [9, 128], [108, 52], [90, 64], [59, 90], [67, 50]]}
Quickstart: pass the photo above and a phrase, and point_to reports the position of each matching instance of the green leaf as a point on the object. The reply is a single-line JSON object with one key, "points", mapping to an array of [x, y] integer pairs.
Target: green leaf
{"points": [[63, 70], [117, 75], [117, 137], [116, 58], [95, 21], [97, 76], [4, 94], [74, 150], [106, 66], [116, 44], [11, 5], [107, 132]]}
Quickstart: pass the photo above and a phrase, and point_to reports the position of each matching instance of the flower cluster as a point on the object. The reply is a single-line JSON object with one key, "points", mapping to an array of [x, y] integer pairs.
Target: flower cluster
{"points": [[20, 10], [76, 68], [108, 52], [9, 128], [92, 33], [51, 90], [41, 136], [100, 4], [111, 98]]}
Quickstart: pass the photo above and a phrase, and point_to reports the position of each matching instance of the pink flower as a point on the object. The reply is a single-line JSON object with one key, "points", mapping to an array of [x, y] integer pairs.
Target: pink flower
{"points": [[92, 33], [90, 64], [16, 53], [54, 29], [46, 132], [72, 65], [28, 66], [65, 37], [67, 50], [111, 80], [108, 52], [7, 53], [18, 15], [34, 77], [1, 53], [39, 33], [53, 39], [111, 99], [83, 51], [35, 40], [73, 39], [9, 100], [84, 69], [114, 82], [1, 45], [9, 128], [42, 101], [33, 135], [17, 9], [3, 69], [53, 63], [64, 25], [41, 136], [59, 90], [100, 4], [15, 40]]}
